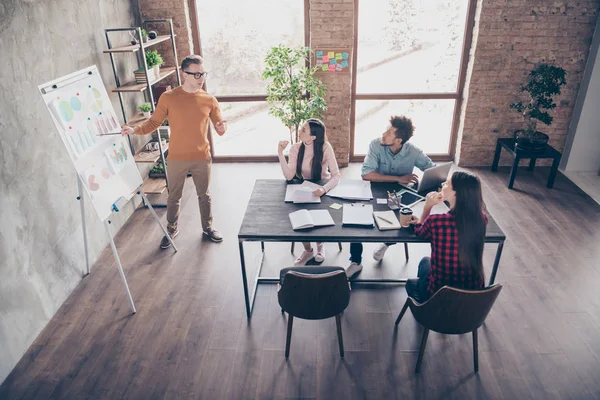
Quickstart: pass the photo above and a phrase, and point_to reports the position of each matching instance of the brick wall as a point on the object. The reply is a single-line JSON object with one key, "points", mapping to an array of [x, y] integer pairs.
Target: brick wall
{"points": [[510, 39], [178, 11], [332, 25]]}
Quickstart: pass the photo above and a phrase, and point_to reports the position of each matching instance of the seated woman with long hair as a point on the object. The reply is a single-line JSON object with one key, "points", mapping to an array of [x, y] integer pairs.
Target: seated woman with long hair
{"points": [[457, 239], [312, 158]]}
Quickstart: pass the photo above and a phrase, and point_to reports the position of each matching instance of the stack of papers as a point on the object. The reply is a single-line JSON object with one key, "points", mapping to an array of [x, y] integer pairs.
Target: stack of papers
{"points": [[358, 214], [352, 189], [302, 193], [303, 219]]}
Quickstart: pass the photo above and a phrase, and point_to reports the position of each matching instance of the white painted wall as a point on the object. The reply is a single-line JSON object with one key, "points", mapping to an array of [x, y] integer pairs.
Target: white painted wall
{"points": [[583, 154]]}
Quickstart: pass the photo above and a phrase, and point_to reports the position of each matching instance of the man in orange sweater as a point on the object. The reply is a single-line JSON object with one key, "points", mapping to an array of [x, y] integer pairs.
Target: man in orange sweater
{"points": [[189, 109]]}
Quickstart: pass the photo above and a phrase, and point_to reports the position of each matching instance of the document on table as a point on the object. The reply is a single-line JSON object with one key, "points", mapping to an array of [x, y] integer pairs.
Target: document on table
{"points": [[303, 219], [358, 214], [300, 194], [352, 189]]}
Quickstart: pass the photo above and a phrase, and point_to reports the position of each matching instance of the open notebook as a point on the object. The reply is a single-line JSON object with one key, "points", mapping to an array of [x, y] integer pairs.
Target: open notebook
{"points": [[303, 219], [386, 220]]}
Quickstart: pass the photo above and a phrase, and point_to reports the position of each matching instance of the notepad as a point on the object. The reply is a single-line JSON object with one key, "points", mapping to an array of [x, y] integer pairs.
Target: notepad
{"points": [[386, 220], [358, 214]]}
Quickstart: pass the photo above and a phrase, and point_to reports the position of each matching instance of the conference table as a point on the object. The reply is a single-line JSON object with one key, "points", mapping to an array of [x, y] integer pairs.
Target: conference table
{"points": [[267, 220]]}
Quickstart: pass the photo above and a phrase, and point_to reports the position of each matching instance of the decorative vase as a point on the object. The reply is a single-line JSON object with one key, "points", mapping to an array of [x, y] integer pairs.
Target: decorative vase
{"points": [[530, 142], [156, 69]]}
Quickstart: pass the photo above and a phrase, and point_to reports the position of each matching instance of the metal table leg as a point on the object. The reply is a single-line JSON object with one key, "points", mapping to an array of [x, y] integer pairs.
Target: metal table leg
{"points": [[496, 262]]}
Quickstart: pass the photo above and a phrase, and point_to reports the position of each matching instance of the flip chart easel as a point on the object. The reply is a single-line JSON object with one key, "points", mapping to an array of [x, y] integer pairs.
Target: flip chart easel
{"points": [[88, 126]]}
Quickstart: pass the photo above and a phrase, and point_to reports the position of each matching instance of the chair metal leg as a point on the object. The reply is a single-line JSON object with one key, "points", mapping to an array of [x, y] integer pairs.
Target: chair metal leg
{"points": [[292, 250], [422, 350], [338, 322], [406, 250], [340, 246], [262, 246], [475, 352], [288, 340], [402, 312]]}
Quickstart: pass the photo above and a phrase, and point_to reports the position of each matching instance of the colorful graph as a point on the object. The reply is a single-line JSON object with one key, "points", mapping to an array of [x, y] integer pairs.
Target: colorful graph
{"points": [[117, 156]]}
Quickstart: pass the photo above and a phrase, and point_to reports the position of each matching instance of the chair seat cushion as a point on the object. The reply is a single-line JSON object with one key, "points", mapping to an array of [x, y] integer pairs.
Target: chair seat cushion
{"points": [[318, 269]]}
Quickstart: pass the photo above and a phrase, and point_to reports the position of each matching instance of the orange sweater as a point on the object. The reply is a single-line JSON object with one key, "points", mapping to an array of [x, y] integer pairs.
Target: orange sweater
{"points": [[188, 118]]}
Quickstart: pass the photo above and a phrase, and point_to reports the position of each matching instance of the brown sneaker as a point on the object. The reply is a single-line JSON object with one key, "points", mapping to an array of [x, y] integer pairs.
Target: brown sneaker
{"points": [[213, 234], [165, 243]]}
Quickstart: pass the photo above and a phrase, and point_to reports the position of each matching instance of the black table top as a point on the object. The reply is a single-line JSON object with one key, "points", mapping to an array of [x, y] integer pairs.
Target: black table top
{"points": [[267, 218], [509, 144]]}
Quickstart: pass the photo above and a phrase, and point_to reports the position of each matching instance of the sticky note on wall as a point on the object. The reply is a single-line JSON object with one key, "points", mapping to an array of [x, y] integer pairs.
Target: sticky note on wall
{"points": [[331, 54], [324, 67], [338, 67], [338, 56], [331, 68], [325, 59], [345, 55], [344, 64], [332, 61], [319, 54]]}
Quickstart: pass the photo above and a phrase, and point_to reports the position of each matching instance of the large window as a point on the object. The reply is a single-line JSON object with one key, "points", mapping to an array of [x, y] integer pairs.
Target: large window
{"points": [[409, 56], [235, 37]]}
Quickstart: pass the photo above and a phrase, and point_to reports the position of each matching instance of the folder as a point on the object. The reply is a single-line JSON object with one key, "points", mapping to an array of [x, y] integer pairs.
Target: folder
{"points": [[358, 214]]}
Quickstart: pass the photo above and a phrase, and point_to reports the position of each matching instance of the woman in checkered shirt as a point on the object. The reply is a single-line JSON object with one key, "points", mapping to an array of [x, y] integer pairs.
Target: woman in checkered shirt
{"points": [[457, 239]]}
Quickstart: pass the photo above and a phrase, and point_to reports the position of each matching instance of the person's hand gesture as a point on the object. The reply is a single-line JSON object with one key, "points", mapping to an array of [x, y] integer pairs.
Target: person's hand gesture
{"points": [[414, 220], [281, 146], [319, 192], [408, 179], [433, 198], [126, 130], [221, 127]]}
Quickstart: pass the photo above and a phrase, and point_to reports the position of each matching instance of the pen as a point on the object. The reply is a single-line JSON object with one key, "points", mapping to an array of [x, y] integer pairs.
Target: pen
{"points": [[386, 220]]}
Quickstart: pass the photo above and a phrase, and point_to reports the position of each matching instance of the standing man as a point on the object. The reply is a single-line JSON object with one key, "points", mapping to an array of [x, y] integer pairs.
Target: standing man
{"points": [[189, 108], [391, 159]]}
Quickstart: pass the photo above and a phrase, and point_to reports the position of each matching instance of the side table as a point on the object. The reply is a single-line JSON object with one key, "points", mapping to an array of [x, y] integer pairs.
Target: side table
{"points": [[518, 154]]}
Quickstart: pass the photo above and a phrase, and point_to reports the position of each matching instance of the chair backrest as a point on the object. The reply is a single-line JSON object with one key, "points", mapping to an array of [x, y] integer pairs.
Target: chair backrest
{"points": [[314, 296], [456, 311]]}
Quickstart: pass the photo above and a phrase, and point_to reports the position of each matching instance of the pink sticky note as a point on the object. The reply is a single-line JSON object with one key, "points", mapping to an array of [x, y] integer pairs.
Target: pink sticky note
{"points": [[325, 59], [331, 68]]}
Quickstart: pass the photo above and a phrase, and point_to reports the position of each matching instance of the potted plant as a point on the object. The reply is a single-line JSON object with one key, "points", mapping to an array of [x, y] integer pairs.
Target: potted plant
{"points": [[294, 93], [543, 82], [145, 109], [154, 60], [144, 36]]}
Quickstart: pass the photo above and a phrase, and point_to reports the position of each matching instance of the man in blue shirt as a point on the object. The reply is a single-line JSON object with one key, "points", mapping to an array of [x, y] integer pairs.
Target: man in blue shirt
{"points": [[390, 159]]}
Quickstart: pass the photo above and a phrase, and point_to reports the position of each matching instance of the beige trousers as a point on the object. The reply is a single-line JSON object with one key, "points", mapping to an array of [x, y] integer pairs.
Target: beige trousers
{"points": [[176, 173]]}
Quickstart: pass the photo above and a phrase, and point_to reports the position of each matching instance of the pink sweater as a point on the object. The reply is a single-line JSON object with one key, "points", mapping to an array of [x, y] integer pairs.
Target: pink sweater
{"points": [[330, 168]]}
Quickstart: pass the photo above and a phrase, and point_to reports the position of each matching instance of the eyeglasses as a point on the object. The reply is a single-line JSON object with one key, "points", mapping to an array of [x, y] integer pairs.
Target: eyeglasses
{"points": [[197, 75]]}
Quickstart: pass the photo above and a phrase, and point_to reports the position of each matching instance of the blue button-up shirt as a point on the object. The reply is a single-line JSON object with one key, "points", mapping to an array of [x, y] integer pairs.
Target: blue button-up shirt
{"points": [[381, 160]]}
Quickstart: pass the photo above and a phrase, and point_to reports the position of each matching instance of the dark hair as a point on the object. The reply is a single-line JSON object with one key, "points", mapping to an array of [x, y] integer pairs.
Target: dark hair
{"points": [[404, 127], [470, 222], [317, 128], [189, 60]]}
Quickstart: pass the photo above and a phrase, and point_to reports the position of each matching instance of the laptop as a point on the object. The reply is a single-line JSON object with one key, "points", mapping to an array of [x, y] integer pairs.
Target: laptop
{"points": [[432, 179]]}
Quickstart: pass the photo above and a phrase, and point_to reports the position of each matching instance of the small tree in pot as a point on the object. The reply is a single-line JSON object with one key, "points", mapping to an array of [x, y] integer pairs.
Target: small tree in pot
{"points": [[543, 82], [294, 94]]}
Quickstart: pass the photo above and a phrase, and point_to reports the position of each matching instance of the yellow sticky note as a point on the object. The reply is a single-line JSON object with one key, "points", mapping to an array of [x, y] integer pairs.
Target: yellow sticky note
{"points": [[336, 206], [331, 54]]}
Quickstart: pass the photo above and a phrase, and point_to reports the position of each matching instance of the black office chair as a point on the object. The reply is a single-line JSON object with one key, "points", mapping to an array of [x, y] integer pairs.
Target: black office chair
{"points": [[453, 312], [313, 293]]}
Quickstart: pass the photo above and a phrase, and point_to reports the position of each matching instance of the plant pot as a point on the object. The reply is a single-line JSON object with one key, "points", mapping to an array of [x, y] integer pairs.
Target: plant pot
{"points": [[146, 114], [156, 69], [535, 142]]}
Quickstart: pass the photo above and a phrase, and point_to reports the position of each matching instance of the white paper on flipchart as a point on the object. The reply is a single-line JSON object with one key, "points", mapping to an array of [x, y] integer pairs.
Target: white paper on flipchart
{"points": [[357, 214], [352, 189]]}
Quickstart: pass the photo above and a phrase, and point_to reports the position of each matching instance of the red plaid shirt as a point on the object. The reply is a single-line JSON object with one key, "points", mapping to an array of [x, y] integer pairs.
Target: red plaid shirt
{"points": [[440, 229]]}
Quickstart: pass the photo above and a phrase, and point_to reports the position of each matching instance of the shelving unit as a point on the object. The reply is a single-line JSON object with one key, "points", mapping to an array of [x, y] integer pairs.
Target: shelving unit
{"points": [[150, 185]]}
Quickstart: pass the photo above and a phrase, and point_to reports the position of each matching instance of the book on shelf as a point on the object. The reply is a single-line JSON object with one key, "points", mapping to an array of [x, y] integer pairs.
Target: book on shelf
{"points": [[140, 75], [303, 219]]}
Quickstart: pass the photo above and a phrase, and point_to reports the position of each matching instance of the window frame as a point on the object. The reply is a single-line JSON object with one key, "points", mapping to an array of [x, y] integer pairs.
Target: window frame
{"points": [[239, 98], [456, 96]]}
